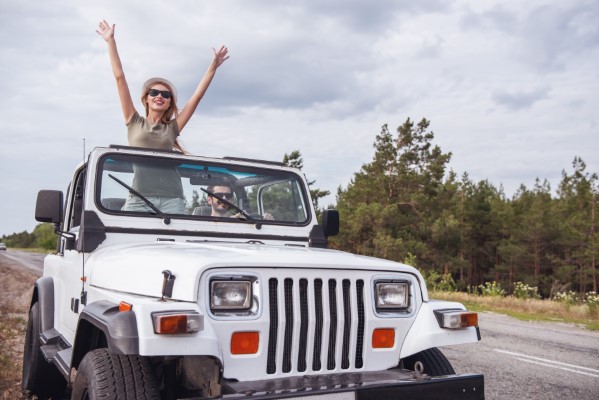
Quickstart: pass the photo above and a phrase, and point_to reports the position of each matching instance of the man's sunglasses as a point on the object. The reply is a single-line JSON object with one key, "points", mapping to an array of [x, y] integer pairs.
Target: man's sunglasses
{"points": [[223, 195], [164, 93]]}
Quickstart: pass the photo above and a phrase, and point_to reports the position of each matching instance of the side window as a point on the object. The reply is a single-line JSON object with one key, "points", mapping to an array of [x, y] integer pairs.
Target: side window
{"points": [[283, 200], [76, 208]]}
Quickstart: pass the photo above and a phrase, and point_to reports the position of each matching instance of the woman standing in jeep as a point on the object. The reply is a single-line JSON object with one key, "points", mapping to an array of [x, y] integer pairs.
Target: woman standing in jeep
{"points": [[159, 129], [163, 122]]}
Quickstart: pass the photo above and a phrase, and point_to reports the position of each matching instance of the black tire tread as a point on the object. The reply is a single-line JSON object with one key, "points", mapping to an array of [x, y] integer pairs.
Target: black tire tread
{"points": [[111, 376], [40, 378], [435, 362]]}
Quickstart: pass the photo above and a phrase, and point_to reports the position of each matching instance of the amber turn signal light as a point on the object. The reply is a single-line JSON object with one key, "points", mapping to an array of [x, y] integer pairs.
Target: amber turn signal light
{"points": [[176, 323], [245, 342], [383, 338], [452, 319], [125, 306], [469, 319]]}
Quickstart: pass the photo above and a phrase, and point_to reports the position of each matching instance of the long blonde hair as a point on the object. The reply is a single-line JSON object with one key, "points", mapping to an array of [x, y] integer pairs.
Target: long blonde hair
{"points": [[169, 115]]}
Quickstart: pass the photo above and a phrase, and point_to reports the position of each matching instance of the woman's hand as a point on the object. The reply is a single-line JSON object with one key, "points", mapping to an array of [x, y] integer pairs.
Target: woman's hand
{"points": [[105, 30], [220, 56]]}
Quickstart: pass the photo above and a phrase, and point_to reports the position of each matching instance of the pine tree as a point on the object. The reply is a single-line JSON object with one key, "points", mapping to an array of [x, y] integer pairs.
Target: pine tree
{"points": [[295, 160], [386, 208], [576, 207]]}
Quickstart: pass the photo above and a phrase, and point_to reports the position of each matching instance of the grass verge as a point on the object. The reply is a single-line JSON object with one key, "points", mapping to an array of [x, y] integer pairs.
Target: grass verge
{"points": [[526, 310], [33, 250], [12, 334]]}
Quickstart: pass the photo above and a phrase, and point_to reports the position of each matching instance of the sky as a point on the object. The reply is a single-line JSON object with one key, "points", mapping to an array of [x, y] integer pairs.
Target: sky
{"points": [[510, 87]]}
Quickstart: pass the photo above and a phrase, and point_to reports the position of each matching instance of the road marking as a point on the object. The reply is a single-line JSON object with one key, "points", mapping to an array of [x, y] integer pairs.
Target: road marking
{"points": [[551, 364]]}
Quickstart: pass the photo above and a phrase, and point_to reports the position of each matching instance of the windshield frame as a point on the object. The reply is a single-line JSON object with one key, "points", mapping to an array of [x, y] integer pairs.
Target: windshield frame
{"points": [[257, 174]]}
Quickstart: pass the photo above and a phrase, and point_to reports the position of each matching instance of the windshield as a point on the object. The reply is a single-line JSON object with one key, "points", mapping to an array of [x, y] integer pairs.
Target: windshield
{"points": [[153, 186]]}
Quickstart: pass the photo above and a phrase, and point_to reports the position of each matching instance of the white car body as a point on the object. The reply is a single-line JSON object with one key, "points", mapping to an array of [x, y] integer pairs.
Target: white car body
{"points": [[304, 297]]}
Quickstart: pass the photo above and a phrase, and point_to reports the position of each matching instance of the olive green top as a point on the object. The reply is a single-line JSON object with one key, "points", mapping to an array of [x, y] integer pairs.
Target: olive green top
{"points": [[148, 179], [143, 133]]}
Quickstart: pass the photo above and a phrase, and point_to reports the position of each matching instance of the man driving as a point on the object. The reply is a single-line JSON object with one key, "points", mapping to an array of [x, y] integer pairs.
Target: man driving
{"points": [[220, 208]]}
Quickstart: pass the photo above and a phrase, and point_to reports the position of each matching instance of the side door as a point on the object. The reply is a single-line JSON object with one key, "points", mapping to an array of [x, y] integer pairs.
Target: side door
{"points": [[69, 266]]}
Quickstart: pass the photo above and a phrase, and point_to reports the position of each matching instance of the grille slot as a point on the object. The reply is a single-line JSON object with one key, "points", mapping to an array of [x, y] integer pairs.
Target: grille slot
{"points": [[333, 327], [271, 364], [301, 359], [331, 311], [360, 337], [316, 365], [288, 325], [346, 325]]}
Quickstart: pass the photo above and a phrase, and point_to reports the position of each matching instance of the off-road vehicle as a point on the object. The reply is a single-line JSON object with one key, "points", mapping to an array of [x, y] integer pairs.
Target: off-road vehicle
{"points": [[143, 302]]}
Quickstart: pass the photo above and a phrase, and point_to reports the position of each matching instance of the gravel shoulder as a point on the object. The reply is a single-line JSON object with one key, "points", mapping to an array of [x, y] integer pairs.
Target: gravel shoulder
{"points": [[16, 283], [16, 286]]}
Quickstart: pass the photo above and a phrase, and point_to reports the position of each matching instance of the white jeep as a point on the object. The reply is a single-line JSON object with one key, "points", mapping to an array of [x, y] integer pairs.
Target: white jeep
{"points": [[146, 303]]}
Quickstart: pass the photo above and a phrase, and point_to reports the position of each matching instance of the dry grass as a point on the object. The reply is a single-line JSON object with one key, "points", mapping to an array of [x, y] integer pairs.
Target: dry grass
{"points": [[12, 333], [16, 286], [536, 310]]}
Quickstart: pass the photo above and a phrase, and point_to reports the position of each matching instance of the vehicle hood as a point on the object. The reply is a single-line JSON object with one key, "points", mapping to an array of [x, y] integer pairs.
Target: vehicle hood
{"points": [[138, 268]]}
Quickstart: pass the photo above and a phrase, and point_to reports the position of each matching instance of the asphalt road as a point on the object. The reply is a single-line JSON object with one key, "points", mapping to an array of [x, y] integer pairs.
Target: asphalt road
{"points": [[29, 260], [531, 360], [520, 360]]}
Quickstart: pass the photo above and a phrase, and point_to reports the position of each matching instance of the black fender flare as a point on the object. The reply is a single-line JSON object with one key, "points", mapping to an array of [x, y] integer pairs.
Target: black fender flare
{"points": [[119, 330], [43, 293]]}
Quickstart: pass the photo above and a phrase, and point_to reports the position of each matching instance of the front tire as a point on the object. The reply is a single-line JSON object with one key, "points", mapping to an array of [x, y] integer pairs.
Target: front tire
{"points": [[434, 362], [102, 375], [40, 378]]}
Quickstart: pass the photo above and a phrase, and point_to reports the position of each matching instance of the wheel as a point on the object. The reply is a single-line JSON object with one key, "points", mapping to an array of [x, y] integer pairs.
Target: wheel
{"points": [[40, 378], [102, 375], [434, 362]]}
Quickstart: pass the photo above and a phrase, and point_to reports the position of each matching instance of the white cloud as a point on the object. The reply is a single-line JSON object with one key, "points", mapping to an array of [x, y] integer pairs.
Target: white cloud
{"points": [[520, 99]]}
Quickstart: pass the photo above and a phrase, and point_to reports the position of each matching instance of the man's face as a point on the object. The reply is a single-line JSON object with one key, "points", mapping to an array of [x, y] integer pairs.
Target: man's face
{"points": [[219, 208]]}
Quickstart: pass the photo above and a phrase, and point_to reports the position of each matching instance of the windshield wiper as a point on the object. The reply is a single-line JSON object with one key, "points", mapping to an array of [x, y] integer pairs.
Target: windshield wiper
{"points": [[245, 214], [166, 219]]}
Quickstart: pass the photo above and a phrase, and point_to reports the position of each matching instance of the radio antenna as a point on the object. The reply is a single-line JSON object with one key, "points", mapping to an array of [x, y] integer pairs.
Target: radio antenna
{"points": [[83, 297]]}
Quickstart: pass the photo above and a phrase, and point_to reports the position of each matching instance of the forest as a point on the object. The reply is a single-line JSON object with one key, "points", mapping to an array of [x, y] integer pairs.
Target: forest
{"points": [[407, 205]]}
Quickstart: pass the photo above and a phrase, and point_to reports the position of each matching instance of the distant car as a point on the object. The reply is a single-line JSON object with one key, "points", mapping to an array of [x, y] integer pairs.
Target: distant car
{"points": [[2, 246]]}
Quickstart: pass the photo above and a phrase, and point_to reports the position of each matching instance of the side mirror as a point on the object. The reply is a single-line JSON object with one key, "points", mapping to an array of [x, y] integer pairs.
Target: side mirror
{"points": [[48, 207], [330, 222]]}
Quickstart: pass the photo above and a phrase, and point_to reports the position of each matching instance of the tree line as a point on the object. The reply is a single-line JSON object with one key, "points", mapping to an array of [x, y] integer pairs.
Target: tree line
{"points": [[42, 237], [406, 205]]}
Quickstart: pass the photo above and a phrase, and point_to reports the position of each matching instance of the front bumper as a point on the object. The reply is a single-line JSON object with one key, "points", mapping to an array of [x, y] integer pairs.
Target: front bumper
{"points": [[390, 384]]}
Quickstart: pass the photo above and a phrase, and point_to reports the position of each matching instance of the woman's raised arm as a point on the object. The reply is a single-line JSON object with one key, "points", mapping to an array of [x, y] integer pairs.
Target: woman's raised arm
{"points": [[107, 33]]}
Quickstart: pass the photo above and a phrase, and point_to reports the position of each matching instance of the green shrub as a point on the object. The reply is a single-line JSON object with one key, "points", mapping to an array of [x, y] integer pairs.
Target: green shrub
{"points": [[524, 291], [568, 298], [592, 302], [439, 282], [410, 259], [491, 289], [44, 235]]}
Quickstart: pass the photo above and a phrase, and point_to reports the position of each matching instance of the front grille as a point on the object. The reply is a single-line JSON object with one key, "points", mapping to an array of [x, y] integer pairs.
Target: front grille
{"points": [[326, 307]]}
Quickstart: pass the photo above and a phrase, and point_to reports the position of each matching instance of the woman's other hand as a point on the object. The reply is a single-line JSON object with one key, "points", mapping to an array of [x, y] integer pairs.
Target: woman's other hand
{"points": [[220, 56], [105, 30]]}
